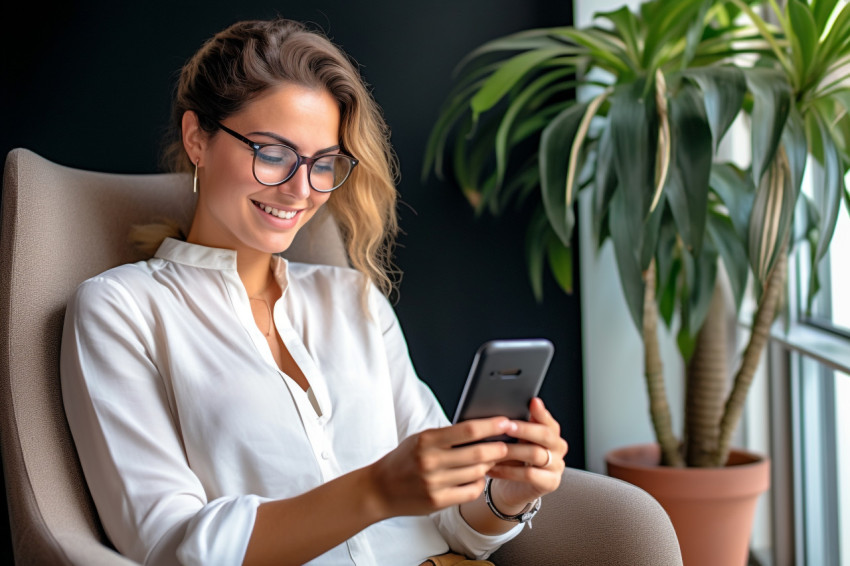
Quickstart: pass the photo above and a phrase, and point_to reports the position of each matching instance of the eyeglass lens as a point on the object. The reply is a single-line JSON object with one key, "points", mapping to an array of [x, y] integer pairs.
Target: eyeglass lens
{"points": [[274, 163]]}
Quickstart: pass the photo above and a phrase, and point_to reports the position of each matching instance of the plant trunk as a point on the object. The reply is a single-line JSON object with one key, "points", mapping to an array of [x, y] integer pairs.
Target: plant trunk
{"points": [[707, 383], [752, 355], [659, 409]]}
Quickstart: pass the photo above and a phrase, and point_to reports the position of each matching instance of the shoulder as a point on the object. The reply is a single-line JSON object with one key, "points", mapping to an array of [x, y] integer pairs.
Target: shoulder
{"points": [[326, 282], [116, 286], [339, 287], [333, 274]]}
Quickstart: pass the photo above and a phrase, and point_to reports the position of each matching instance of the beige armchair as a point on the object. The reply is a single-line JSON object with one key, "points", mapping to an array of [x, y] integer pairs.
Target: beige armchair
{"points": [[62, 225]]}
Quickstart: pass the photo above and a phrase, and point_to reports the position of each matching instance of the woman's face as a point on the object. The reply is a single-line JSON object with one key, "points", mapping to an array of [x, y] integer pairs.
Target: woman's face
{"points": [[231, 205]]}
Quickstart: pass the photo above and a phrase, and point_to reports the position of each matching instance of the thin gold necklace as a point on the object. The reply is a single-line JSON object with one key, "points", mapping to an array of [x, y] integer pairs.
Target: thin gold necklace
{"points": [[268, 333], [268, 307]]}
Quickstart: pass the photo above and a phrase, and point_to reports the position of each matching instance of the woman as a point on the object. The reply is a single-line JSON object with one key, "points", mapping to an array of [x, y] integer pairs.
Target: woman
{"points": [[230, 407]]}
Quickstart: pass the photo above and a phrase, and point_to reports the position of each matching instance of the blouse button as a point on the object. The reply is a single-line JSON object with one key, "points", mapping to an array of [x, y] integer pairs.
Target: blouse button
{"points": [[325, 454]]}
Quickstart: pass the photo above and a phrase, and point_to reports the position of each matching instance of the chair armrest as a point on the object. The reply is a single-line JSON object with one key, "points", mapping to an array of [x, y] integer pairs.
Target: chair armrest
{"points": [[595, 520], [90, 551]]}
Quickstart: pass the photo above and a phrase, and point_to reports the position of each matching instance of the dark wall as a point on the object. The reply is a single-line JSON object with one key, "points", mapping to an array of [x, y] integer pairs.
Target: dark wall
{"points": [[89, 85]]}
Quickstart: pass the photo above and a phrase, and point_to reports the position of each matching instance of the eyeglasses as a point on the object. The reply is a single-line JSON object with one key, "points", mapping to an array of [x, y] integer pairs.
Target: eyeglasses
{"points": [[276, 163]]}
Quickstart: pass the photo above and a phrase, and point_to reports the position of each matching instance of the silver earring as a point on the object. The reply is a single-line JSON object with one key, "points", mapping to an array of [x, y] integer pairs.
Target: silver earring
{"points": [[195, 180]]}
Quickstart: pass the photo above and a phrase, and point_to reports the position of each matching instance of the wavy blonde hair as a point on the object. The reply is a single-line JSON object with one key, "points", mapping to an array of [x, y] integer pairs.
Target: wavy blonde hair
{"points": [[238, 64]]}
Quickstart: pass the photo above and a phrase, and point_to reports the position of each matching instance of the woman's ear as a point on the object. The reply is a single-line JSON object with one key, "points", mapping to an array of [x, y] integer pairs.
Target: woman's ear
{"points": [[194, 138]]}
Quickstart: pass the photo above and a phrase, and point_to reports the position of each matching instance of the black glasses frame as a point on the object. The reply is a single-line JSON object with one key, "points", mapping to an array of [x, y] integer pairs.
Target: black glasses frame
{"points": [[299, 160]]}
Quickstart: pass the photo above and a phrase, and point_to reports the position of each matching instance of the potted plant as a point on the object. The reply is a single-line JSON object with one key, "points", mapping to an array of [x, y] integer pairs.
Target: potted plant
{"points": [[659, 89]]}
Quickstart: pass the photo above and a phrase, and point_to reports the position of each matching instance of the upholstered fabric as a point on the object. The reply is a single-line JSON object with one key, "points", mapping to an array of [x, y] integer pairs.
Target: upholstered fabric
{"points": [[595, 520], [62, 225]]}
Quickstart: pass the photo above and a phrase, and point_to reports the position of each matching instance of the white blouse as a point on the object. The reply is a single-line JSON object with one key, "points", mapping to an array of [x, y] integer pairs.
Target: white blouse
{"points": [[184, 424]]}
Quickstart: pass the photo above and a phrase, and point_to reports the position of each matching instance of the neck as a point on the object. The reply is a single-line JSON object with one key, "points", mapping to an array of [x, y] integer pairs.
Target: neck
{"points": [[254, 270], [253, 266]]}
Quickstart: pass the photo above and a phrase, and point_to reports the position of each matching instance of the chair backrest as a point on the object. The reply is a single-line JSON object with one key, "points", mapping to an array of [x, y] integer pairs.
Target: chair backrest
{"points": [[59, 227]]}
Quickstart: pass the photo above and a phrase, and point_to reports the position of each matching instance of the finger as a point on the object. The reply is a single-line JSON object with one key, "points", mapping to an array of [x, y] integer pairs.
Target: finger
{"points": [[541, 480], [531, 454], [434, 459], [456, 477], [536, 433], [540, 414], [468, 431], [457, 495]]}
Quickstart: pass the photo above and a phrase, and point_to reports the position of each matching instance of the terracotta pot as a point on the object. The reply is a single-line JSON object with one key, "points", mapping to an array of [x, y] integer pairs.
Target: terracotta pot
{"points": [[711, 509]]}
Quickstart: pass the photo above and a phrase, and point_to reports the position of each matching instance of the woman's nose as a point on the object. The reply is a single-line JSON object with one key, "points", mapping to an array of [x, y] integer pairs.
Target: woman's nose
{"points": [[298, 186]]}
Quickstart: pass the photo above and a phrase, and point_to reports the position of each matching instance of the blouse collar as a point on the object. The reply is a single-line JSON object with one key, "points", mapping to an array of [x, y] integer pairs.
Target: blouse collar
{"points": [[196, 255]]}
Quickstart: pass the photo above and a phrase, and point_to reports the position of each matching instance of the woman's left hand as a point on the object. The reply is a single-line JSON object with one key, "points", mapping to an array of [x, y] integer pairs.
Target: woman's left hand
{"points": [[534, 465]]}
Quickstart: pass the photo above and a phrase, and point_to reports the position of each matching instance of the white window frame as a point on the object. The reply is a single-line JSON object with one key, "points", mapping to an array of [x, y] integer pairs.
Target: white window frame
{"points": [[803, 356]]}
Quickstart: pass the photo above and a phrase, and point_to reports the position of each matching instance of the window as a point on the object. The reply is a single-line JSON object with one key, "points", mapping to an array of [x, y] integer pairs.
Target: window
{"points": [[810, 419]]}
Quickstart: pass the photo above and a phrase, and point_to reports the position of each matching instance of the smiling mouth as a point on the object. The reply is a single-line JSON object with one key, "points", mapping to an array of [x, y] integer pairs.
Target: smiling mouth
{"points": [[284, 214]]}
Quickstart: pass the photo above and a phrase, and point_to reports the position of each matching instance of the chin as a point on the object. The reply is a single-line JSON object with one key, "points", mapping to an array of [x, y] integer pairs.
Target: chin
{"points": [[278, 246]]}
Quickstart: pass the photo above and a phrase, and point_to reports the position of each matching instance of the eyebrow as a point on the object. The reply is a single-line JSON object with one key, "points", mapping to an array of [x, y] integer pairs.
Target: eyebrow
{"points": [[293, 145]]}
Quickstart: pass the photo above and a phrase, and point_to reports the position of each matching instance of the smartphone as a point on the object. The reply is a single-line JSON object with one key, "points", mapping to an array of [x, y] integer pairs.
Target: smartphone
{"points": [[504, 377]]}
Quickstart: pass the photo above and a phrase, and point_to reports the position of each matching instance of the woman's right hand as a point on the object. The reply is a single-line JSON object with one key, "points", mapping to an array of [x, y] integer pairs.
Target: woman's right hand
{"points": [[429, 471]]}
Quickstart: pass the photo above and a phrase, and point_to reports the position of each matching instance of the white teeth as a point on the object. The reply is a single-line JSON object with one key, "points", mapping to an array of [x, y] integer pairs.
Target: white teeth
{"points": [[285, 214]]}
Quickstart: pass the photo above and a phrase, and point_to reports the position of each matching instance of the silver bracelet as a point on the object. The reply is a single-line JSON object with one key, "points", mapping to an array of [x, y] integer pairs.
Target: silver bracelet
{"points": [[524, 516]]}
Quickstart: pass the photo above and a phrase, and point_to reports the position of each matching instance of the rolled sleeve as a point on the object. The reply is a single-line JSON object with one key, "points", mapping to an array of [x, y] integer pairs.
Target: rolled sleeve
{"points": [[464, 539]]}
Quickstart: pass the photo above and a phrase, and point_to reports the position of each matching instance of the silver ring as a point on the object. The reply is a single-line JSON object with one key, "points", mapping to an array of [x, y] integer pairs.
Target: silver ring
{"points": [[548, 459]]}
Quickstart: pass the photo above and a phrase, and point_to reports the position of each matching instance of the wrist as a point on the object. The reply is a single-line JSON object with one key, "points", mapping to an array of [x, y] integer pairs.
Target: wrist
{"points": [[517, 513], [497, 497], [374, 503]]}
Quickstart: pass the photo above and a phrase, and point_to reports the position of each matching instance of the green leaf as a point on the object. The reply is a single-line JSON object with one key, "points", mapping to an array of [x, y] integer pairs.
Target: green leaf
{"points": [[666, 21], [507, 76], [737, 193], [686, 338], [519, 104], [603, 51], [723, 90], [555, 144], [770, 220], [706, 279], [449, 115], [695, 33], [521, 184], [796, 148], [605, 183], [649, 240], [822, 10], [625, 253], [535, 250], [534, 123], [833, 190], [814, 272], [470, 162], [805, 36], [574, 165], [668, 267], [627, 25], [733, 253], [561, 264], [632, 120], [834, 45], [687, 343], [806, 221], [771, 104], [526, 40], [687, 184]]}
